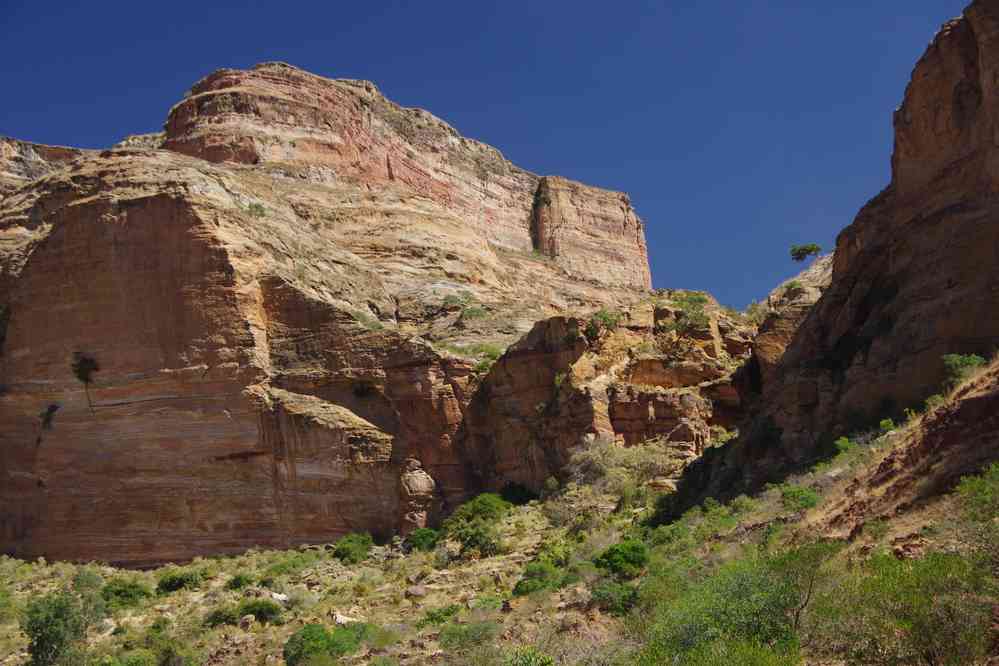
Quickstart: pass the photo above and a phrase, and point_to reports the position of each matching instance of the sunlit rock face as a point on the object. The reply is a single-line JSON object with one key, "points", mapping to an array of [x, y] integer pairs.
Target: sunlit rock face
{"points": [[261, 327]]}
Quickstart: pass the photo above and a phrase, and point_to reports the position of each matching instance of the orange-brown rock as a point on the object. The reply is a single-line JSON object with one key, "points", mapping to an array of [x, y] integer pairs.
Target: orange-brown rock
{"points": [[914, 276], [571, 380], [284, 296]]}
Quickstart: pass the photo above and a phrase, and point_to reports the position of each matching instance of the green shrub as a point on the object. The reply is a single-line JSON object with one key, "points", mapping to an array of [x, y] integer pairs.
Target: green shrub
{"points": [[538, 575], [934, 401], [625, 559], [958, 367], [464, 637], [222, 616], [602, 320], [517, 494], [487, 506], [353, 548], [179, 579], [53, 623], [239, 581], [529, 656], [692, 316], [121, 593], [802, 252], [423, 539], [314, 642], [979, 500], [743, 600], [263, 610], [798, 498], [474, 312], [886, 425], [917, 611], [792, 287], [613, 597], [438, 616], [256, 210], [7, 609]]}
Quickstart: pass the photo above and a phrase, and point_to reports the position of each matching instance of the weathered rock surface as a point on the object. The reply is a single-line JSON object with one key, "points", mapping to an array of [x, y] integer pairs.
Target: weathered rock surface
{"points": [[284, 296], [914, 276], [569, 381]]}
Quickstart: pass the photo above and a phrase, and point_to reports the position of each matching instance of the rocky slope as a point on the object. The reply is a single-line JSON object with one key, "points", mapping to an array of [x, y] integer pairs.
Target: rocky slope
{"points": [[263, 327]]}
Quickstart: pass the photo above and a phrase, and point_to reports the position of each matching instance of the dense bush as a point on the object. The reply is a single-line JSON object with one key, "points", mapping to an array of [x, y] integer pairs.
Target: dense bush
{"points": [[958, 367], [473, 524], [121, 593], [539, 575], [487, 506], [263, 610], [353, 548], [179, 579], [625, 559], [692, 316], [798, 498], [239, 581], [924, 611], [423, 539], [53, 623], [314, 641]]}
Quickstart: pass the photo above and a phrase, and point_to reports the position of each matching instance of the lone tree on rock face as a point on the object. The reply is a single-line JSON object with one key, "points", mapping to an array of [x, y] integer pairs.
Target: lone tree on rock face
{"points": [[84, 367], [802, 252]]}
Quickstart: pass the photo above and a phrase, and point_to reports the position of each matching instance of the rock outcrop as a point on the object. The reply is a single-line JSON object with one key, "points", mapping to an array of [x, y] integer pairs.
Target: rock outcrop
{"points": [[264, 327], [914, 276], [571, 380]]}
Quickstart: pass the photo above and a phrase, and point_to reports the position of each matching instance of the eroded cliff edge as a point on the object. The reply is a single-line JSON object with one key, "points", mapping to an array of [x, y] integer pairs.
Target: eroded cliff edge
{"points": [[264, 326]]}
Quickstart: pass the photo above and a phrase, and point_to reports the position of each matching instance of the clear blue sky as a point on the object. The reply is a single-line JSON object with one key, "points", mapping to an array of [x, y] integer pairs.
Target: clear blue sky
{"points": [[738, 127]]}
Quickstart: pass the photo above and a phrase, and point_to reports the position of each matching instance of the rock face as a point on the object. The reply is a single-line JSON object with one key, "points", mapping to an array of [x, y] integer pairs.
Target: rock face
{"points": [[263, 327], [570, 380], [914, 276]]}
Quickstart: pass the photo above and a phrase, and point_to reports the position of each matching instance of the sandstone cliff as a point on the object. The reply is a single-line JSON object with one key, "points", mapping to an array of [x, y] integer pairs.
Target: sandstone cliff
{"points": [[913, 277], [264, 326]]}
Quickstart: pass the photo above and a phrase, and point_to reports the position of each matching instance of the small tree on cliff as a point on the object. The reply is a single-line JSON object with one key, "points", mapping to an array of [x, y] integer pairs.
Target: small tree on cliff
{"points": [[802, 252], [84, 367]]}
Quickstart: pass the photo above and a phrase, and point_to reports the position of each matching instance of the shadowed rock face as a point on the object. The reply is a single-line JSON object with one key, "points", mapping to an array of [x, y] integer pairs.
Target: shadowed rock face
{"points": [[914, 277], [269, 292]]}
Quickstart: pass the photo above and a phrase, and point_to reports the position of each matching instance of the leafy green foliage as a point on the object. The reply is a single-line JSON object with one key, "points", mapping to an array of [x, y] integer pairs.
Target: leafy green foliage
{"points": [[263, 610], [222, 616], [179, 579], [886, 425], [625, 559], [256, 210], [692, 316], [313, 641], [473, 524], [53, 623], [923, 611], [239, 581], [353, 548], [529, 656], [602, 320], [423, 539], [538, 575], [802, 252], [438, 616], [727, 652], [959, 367], [798, 498], [121, 593]]}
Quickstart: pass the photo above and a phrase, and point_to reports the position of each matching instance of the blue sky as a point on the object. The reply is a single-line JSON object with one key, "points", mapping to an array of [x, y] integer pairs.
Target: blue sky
{"points": [[738, 127]]}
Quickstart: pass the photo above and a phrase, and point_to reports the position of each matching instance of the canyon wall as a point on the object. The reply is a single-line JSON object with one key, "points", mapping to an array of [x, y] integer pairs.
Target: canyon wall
{"points": [[264, 326]]}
